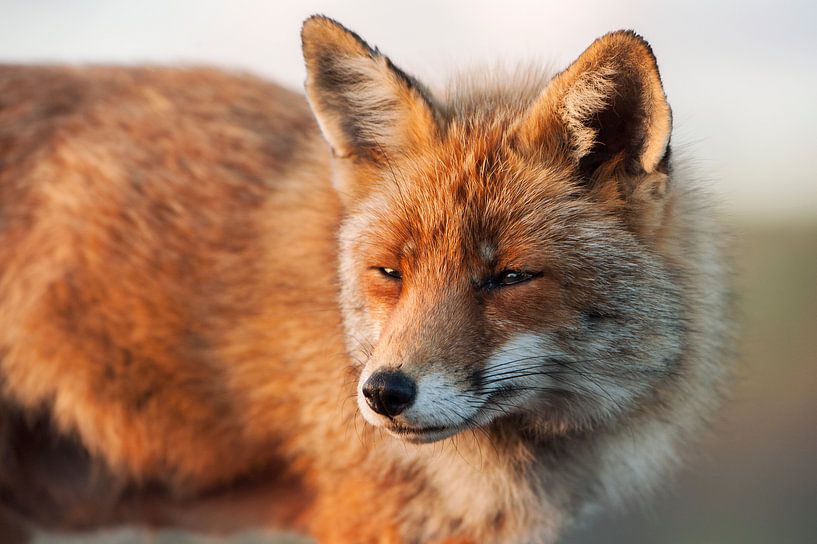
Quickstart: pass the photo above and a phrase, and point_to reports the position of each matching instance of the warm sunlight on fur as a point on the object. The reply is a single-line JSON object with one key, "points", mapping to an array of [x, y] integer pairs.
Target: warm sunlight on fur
{"points": [[374, 314]]}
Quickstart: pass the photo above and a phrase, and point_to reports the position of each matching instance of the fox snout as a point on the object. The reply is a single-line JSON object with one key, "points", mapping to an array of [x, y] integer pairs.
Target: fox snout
{"points": [[417, 402], [389, 392], [416, 380]]}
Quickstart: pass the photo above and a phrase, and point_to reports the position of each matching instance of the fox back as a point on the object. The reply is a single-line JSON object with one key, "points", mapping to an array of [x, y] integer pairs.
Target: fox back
{"points": [[414, 316]]}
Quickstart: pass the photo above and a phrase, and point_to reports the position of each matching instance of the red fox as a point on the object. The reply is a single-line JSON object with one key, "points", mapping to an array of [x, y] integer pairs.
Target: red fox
{"points": [[378, 314]]}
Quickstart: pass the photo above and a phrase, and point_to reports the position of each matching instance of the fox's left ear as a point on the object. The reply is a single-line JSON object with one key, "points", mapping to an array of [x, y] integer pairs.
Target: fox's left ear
{"points": [[366, 106], [609, 107]]}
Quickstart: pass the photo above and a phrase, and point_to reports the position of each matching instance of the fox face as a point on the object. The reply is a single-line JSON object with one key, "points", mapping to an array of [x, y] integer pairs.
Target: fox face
{"points": [[499, 254]]}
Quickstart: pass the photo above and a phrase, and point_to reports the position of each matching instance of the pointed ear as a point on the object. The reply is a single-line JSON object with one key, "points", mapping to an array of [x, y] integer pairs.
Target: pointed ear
{"points": [[609, 106], [366, 106]]}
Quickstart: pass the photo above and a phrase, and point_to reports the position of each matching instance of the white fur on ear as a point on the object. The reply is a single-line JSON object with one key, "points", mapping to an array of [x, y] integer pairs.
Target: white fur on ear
{"points": [[611, 103], [588, 95]]}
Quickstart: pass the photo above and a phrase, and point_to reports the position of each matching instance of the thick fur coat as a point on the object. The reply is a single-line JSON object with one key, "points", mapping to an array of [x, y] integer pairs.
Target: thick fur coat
{"points": [[199, 276]]}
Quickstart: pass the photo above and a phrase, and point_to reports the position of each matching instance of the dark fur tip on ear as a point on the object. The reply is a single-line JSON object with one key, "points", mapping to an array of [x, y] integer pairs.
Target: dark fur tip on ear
{"points": [[613, 101], [365, 105], [635, 44], [323, 33]]}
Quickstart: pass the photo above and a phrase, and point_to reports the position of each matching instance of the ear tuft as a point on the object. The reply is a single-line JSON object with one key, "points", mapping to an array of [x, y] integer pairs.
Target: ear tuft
{"points": [[366, 106]]}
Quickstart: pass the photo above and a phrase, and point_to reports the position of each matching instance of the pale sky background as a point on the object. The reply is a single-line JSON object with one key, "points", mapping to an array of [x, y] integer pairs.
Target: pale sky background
{"points": [[741, 76]]}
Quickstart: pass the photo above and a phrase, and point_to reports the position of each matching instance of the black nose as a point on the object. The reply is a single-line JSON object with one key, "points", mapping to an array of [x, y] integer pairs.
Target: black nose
{"points": [[389, 392]]}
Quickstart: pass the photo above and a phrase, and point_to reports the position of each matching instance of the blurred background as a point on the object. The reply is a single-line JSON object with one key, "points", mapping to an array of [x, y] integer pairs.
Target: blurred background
{"points": [[741, 78]]}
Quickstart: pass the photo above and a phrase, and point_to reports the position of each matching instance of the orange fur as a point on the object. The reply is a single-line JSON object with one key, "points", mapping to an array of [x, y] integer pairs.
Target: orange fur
{"points": [[180, 324]]}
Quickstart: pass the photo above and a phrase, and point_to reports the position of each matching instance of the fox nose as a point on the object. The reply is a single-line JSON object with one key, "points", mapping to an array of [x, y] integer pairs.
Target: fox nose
{"points": [[389, 392]]}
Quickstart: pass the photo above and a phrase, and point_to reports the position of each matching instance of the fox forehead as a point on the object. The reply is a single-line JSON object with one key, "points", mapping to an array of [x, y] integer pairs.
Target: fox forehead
{"points": [[485, 202]]}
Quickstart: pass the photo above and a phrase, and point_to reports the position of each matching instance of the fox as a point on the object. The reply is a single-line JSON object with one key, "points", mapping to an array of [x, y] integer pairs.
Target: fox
{"points": [[376, 313]]}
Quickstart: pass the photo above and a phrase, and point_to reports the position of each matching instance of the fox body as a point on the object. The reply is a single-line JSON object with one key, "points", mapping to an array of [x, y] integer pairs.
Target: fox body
{"points": [[402, 316]]}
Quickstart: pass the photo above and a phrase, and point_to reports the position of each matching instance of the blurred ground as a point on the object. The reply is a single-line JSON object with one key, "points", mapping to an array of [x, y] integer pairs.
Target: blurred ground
{"points": [[755, 481]]}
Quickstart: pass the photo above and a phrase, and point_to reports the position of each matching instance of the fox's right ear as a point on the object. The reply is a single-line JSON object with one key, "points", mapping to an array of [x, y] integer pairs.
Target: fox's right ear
{"points": [[367, 108]]}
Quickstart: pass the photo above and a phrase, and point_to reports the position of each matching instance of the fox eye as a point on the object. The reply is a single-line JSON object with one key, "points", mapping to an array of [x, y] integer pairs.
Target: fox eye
{"points": [[391, 273], [511, 277], [507, 278]]}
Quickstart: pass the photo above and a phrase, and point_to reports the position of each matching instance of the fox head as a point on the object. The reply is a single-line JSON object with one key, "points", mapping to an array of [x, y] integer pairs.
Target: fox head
{"points": [[500, 249]]}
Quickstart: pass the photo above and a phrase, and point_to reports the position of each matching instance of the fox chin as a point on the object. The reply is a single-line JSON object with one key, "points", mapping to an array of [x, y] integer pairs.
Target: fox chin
{"points": [[377, 313]]}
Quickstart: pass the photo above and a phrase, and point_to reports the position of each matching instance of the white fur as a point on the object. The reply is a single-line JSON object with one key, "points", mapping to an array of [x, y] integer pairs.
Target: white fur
{"points": [[514, 362], [588, 95], [440, 402], [443, 401]]}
